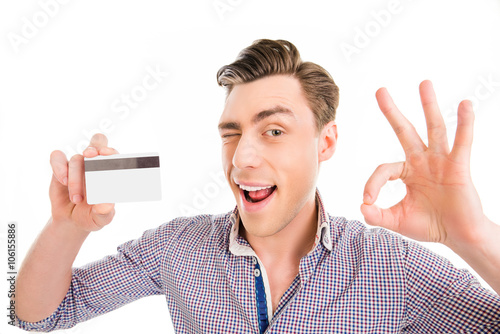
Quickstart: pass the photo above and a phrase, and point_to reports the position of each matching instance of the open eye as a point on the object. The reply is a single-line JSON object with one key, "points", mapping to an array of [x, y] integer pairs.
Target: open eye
{"points": [[274, 132]]}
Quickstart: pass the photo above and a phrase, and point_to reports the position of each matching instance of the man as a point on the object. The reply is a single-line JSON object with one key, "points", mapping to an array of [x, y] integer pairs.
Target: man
{"points": [[279, 262]]}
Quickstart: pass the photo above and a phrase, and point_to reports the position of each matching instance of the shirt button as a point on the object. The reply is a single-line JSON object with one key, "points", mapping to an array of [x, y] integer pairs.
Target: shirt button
{"points": [[326, 239], [256, 272], [254, 260]]}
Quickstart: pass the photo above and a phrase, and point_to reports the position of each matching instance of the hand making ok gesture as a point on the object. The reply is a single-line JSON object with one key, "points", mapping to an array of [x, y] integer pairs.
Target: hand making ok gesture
{"points": [[441, 203]]}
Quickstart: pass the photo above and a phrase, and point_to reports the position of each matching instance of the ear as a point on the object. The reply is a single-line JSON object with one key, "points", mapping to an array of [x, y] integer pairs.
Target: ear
{"points": [[327, 141]]}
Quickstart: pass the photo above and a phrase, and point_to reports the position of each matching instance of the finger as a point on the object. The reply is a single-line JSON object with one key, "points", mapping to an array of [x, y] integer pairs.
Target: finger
{"points": [[102, 214], [386, 218], [436, 129], [463, 137], [383, 173], [407, 135], [97, 142], [75, 179], [59, 165], [107, 151], [98, 146], [91, 152]]}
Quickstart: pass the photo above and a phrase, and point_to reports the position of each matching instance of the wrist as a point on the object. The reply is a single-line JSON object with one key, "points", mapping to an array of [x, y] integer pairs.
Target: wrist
{"points": [[480, 243], [67, 229], [483, 255]]}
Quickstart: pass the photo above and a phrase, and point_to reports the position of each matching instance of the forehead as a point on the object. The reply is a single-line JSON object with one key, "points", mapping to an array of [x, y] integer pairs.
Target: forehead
{"points": [[246, 100]]}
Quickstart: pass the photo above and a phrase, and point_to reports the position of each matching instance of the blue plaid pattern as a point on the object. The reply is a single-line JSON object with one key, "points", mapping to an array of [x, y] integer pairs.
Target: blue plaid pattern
{"points": [[368, 281]]}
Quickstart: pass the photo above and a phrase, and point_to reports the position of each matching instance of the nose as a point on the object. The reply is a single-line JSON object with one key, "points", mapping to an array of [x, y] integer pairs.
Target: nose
{"points": [[247, 154]]}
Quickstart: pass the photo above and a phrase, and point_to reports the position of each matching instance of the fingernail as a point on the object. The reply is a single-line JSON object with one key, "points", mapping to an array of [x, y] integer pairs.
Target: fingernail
{"points": [[77, 199], [65, 181]]}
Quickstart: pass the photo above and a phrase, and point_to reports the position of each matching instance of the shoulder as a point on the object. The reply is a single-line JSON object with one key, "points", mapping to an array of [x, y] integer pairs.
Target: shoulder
{"points": [[375, 244], [360, 242], [195, 230], [186, 231], [199, 224], [181, 225], [353, 233]]}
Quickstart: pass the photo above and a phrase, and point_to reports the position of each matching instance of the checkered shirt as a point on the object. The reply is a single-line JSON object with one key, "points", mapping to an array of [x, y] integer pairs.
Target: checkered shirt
{"points": [[354, 280]]}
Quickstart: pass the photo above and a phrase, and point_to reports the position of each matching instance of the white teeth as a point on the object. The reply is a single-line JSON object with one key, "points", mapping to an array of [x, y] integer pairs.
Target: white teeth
{"points": [[253, 188]]}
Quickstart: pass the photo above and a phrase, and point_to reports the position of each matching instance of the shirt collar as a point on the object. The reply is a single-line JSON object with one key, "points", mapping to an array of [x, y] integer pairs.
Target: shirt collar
{"points": [[240, 247]]}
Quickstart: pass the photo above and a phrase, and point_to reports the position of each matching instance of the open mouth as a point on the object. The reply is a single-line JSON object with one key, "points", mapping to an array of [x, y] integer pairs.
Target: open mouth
{"points": [[257, 194]]}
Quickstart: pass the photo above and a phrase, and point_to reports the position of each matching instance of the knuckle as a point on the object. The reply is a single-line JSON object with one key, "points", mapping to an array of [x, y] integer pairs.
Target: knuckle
{"points": [[399, 129], [99, 138], [437, 128], [381, 168], [54, 154], [76, 160], [73, 183]]}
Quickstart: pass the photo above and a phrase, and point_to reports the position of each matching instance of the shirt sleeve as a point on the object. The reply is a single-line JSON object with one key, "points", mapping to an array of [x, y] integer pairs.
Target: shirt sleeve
{"points": [[107, 284], [443, 299]]}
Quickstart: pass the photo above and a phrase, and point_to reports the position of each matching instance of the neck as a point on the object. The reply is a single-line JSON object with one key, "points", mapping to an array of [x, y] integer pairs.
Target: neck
{"points": [[291, 243]]}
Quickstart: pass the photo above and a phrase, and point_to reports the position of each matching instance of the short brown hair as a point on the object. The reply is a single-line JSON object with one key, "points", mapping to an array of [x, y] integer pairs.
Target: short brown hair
{"points": [[270, 57]]}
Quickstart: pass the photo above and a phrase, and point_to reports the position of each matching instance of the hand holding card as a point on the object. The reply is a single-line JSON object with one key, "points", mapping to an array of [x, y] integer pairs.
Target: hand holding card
{"points": [[67, 189], [123, 178], [84, 189]]}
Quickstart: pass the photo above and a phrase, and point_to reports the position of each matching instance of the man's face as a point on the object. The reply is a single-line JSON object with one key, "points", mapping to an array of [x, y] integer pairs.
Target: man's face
{"points": [[269, 152]]}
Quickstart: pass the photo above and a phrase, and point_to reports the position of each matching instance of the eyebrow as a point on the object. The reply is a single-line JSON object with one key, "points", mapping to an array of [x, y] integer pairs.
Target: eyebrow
{"points": [[259, 117]]}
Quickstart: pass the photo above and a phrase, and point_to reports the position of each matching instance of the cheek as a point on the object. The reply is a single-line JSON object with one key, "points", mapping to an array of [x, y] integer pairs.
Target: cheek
{"points": [[298, 162], [227, 159], [307, 168]]}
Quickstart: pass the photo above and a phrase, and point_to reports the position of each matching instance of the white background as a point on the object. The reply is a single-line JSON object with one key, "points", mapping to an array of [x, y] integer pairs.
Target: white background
{"points": [[64, 79]]}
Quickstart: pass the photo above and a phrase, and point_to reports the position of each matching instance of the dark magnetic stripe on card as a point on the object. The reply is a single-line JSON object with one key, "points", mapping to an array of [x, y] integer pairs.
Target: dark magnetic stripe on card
{"points": [[122, 163]]}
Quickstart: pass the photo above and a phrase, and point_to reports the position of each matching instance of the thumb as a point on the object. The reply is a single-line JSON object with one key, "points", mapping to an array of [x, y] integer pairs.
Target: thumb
{"points": [[102, 214]]}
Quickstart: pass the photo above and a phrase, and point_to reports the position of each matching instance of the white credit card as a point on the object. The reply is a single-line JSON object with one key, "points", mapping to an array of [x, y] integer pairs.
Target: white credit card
{"points": [[123, 178]]}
